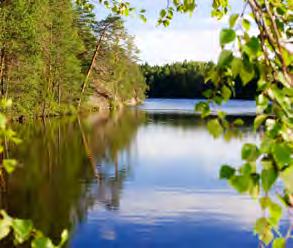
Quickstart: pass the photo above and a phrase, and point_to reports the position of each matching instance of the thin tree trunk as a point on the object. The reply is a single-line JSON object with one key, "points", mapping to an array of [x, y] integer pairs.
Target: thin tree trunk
{"points": [[88, 152], [44, 108], [59, 93], [2, 65], [93, 61]]}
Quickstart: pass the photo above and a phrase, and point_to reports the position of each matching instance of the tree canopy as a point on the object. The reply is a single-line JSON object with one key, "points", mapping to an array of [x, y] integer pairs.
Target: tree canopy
{"points": [[46, 49], [187, 80]]}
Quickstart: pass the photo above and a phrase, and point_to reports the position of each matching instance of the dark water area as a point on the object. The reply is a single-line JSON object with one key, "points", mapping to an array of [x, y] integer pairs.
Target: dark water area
{"points": [[137, 178]]}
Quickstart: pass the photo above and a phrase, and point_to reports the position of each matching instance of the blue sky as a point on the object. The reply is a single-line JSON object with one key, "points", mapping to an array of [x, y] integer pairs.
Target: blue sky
{"points": [[187, 38]]}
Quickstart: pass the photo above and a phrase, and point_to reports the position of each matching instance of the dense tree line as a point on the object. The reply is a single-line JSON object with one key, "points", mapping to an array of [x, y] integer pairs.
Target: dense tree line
{"points": [[187, 80], [46, 53]]}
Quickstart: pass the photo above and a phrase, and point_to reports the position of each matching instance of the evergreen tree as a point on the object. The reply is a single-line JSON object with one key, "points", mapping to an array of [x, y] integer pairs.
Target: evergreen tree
{"points": [[50, 49], [20, 56], [60, 49], [187, 80]]}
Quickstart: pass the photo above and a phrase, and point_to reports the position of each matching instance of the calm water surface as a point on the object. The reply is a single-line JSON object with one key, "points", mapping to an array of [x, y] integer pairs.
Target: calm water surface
{"points": [[138, 178], [233, 107]]}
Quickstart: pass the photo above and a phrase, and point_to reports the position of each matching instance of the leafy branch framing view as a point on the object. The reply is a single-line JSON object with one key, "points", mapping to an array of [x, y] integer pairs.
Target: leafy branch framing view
{"points": [[267, 57]]}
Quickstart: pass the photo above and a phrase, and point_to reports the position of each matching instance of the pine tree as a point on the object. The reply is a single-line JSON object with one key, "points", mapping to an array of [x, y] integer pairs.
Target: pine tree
{"points": [[20, 61], [61, 48], [50, 49]]}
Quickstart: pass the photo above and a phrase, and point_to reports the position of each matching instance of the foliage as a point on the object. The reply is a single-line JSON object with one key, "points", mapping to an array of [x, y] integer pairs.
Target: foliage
{"points": [[39, 47], [116, 74], [46, 48], [266, 58], [24, 231], [187, 80]]}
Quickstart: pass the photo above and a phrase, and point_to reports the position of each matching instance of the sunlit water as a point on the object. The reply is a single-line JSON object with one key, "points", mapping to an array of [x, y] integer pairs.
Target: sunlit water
{"points": [[233, 107], [138, 178]]}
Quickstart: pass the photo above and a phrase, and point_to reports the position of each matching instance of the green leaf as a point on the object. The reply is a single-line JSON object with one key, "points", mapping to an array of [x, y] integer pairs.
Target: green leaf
{"points": [[261, 84], [64, 238], [232, 20], [226, 172], [218, 99], [260, 225], [282, 154], [143, 18], [226, 92], [279, 243], [42, 242], [264, 202], [203, 108], [22, 229], [163, 13], [215, 128], [254, 191], [258, 121], [287, 177], [268, 178], [287, 57], [266, 144], [166, 23], [263, 229], [238, 122], [5, 224], [236, 66], [262, 103], [267, 237], [241, 183], [246, 24], [252, 47], [221, 115], [207, 93], [247, 169], [9, 165], [275, 213], [246, 73], [225, 58], [249, 152], [227, 36]]}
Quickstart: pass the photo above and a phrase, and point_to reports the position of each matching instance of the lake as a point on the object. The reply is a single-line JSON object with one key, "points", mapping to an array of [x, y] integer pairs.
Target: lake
{"points": [[143, 177]]}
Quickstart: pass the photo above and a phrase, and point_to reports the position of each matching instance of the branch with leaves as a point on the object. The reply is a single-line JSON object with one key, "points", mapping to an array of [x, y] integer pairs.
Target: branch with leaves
{"points": [[266, 58]]}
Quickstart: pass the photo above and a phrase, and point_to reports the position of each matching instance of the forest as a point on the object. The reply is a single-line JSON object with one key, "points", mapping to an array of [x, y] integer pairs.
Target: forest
{"points": [[188, 80], [56, 58]]}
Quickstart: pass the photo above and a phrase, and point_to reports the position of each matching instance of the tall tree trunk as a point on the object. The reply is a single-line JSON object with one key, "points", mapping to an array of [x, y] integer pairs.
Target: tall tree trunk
{"points": [[89, 152], [59, 93], [92, 64], [44, 108], [2, 66]]}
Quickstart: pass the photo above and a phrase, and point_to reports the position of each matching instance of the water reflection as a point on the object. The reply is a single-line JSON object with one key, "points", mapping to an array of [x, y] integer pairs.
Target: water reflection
{"points": [[131, 179]]}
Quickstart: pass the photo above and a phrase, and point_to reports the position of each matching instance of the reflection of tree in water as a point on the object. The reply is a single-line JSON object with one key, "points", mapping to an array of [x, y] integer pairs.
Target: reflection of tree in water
{"points": [[190, 121], [110, 142], [54, 185]]}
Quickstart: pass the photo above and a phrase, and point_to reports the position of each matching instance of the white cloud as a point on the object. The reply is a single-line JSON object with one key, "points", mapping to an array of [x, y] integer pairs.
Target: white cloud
{"points": [[187, 38], [151, 206], [165, 46]]}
